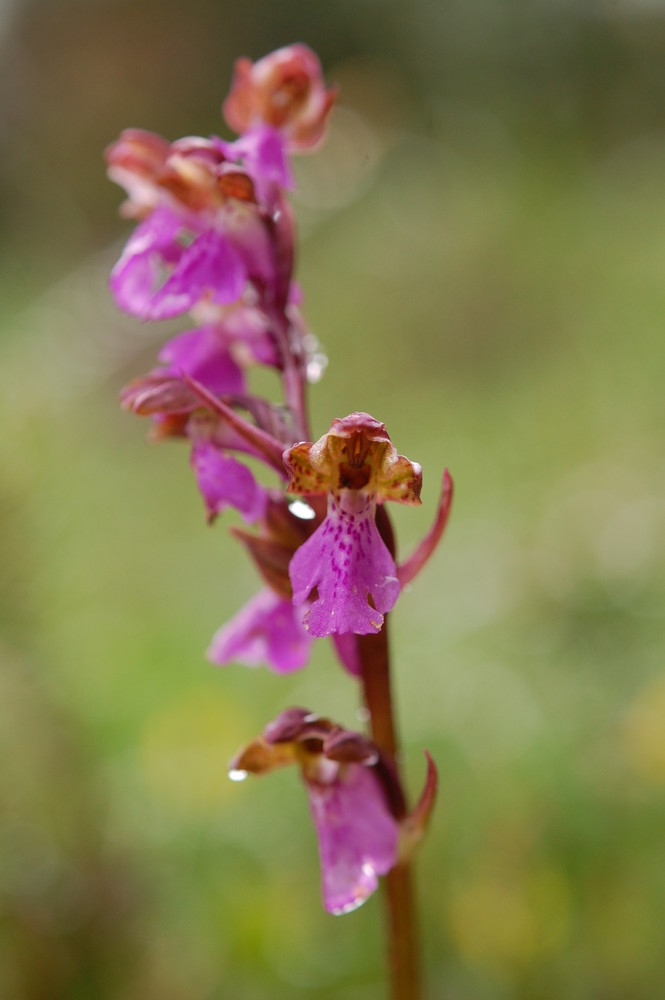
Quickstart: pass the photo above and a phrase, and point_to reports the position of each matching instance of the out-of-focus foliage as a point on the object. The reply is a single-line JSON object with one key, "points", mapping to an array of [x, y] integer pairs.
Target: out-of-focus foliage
{"points": [[483, 260]]}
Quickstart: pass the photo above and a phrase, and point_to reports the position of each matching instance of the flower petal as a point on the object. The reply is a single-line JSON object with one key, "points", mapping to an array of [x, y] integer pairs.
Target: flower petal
{"points": [[347, 652], [357, 836], [268, 630], [204, 354], [261, 151], [305, 480], [348, 562], [210, 267], [151, 247], [225, 482]]}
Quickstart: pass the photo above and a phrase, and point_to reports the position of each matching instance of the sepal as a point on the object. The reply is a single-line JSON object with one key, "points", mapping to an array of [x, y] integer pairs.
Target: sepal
{"points": [[414, 826], [413, 565]]}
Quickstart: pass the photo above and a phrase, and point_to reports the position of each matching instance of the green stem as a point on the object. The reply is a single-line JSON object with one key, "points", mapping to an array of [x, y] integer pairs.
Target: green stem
{"points": [[398, 889]]}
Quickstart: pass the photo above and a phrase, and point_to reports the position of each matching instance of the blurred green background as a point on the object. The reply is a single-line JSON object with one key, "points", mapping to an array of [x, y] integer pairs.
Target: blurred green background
{"points": [[483, 247]]}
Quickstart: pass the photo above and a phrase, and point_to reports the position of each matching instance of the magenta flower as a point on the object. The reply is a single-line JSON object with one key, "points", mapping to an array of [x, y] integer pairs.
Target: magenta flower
{"points": [[163, 272], [204, 354], [210, 268], [225, 482], [284, 90], [206, 234], [346, 561], [352, 794], [269, 631], [244, 327]]}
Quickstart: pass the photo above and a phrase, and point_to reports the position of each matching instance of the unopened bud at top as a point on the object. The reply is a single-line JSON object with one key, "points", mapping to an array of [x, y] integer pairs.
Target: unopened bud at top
{"points": [[285, 91]]}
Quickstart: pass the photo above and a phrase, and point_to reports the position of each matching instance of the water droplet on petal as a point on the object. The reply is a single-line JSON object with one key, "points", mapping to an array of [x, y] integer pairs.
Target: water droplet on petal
{"points": [[350, 906], [237, 775], [302, 510]]}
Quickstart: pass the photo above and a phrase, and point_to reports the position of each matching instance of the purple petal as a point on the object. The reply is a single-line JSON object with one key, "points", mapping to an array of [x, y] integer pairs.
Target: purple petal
{"points": [[347, 560], [210, 267], [225, 482], [152, 247], [268, 630], [204, 354], [262, 152], [347, 652], [357, 836]]}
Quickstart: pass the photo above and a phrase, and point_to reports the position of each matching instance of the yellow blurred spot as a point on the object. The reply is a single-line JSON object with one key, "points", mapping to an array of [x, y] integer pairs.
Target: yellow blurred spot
{"points": [[620, 929], [185, 750], [644, 731], [506, 922]]}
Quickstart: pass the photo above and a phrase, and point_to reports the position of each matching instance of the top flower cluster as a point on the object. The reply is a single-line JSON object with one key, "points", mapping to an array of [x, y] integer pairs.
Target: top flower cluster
{"points": [[211, 207], [216, 239]]}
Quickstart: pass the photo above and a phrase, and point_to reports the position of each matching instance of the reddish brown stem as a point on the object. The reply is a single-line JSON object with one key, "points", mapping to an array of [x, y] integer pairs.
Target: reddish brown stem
{"points": [[402, 930], [373, 651]]}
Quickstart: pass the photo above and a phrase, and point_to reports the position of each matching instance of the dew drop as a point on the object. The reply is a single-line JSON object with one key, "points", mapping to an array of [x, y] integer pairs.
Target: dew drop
{"points": [[302, 510], [352, 905], [316, 366], [237, 775]]}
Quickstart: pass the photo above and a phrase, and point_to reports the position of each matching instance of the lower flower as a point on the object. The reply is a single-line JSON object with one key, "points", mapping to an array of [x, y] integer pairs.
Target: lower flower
{"points": [[348, 787]]}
